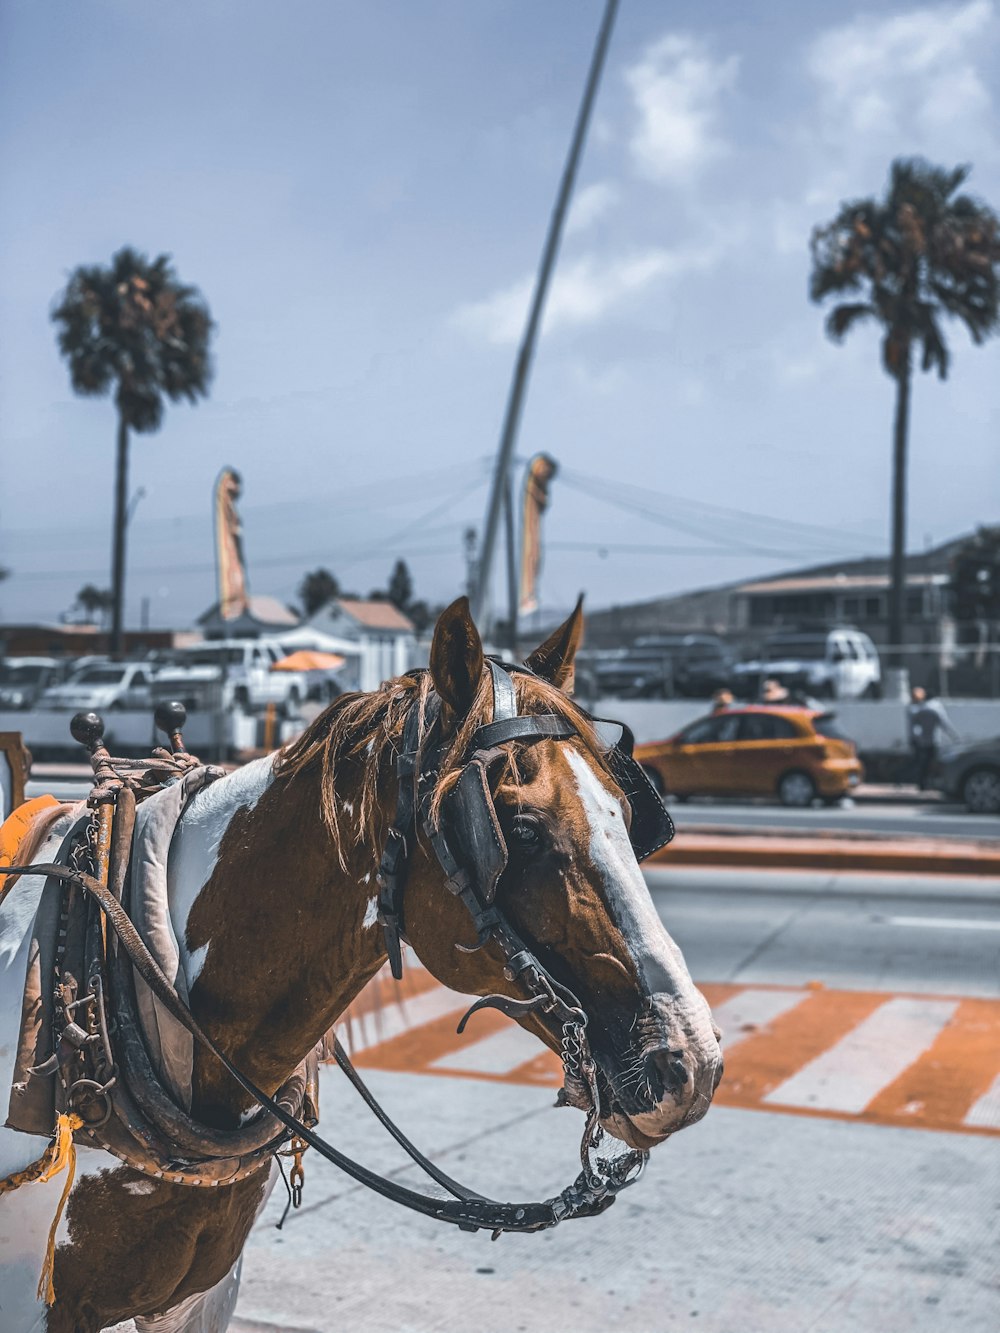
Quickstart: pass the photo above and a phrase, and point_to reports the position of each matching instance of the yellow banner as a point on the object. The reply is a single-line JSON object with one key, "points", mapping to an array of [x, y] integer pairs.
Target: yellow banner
{"points": [[541, 470], [230, 563]]}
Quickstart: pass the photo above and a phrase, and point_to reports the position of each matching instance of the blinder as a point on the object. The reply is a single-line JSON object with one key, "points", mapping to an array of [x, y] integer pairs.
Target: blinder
{"points": [[470, 816]]}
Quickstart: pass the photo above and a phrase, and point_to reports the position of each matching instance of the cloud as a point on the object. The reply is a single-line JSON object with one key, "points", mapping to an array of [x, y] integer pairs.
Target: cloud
{"points": [[590, 205], [677, 87], [583, 291], [916, 82], [909, 78]]}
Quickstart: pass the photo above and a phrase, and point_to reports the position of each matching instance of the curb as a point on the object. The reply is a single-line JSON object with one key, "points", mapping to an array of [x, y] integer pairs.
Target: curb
{"points": [[776, 853]]}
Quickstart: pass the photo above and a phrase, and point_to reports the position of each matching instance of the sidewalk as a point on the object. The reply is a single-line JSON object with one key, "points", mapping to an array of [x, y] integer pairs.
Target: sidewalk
{"points": [[749, 1221]]}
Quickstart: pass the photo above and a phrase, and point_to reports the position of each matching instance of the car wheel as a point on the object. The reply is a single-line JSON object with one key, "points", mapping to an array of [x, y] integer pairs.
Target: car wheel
{"points": [[797, 789], [981, 791], [655, 780]]}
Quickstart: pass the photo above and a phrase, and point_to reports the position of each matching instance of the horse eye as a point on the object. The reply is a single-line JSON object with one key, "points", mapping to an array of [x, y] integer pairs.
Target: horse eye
{"points": [[525, 834]]}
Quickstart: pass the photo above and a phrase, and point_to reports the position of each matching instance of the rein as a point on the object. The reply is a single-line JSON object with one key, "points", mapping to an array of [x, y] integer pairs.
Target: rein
{"points": [[469, 845]]}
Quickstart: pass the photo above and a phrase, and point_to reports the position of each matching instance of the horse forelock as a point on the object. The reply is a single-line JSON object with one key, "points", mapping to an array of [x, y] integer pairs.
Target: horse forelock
{"points": [[356, 740]]}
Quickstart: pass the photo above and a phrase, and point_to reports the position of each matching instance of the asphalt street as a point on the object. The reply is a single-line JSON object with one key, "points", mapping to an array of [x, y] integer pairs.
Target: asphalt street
{"points": [[906, 818], [849, 930]]}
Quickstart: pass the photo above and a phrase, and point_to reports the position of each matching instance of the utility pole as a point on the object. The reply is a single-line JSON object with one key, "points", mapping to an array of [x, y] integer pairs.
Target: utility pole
{"points": [[522, 366]]}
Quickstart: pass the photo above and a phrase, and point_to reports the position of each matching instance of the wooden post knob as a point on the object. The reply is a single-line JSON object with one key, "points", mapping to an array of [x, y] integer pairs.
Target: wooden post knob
{"points": [[170, 718], [88, 730]]}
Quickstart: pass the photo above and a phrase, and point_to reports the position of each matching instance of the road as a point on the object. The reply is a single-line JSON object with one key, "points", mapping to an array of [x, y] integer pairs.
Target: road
{"points": [[906, 818], [849, 930], [846, 1181]]}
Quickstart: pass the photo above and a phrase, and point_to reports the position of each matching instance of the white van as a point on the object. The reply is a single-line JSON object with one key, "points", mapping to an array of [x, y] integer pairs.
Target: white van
{"points": [[829, 664]]}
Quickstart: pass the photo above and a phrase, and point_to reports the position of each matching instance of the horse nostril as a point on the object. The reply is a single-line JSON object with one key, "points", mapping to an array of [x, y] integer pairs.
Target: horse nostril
{"points": [[671, 1069]]}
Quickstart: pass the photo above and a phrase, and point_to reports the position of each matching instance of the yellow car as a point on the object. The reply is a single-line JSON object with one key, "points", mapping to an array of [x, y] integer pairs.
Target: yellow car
{"points": [[795, 754]]}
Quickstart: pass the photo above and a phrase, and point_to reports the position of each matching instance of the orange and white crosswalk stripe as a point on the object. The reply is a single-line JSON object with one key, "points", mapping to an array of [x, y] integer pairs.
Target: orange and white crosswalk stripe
{"points": [[928, 1061]]}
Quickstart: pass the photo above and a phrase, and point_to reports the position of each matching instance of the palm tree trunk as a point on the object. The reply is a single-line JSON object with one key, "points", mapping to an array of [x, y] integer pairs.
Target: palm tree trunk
{"points": [[897, 579], [118, 557]]}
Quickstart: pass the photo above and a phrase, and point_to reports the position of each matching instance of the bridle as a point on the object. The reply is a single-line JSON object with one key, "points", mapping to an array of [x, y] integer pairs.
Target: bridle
{"points": [[468, 840], [469, 844]]}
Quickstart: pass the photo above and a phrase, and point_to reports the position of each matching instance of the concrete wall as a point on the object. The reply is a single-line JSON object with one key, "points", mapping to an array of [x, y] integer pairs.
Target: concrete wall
{"points": [[124, 732], [872, 726]]}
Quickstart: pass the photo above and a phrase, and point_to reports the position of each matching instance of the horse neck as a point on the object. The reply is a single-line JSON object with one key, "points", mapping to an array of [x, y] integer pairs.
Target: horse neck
{"points": [[281, 937]]}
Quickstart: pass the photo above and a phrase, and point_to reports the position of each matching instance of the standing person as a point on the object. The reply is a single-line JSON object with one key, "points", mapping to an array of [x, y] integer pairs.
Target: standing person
{"points": [[721, 700], [925, 718]]}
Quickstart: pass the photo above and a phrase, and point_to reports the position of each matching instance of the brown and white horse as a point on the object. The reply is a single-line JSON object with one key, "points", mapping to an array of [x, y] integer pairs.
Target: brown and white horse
{"points": [[272, 895]]}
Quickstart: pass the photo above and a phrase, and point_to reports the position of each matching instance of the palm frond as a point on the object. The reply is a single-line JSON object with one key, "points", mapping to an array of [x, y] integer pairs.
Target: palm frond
{"points": [[843, 317], [920, 252], [136, 328]]}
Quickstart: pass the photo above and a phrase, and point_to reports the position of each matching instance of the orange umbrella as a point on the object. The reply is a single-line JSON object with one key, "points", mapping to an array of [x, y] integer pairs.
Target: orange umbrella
{"points": [[306, 659]]}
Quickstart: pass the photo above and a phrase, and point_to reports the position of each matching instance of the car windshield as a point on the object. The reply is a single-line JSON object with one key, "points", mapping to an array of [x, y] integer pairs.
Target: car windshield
{"points": [[20, 675], [106, 675], [805, 647]]}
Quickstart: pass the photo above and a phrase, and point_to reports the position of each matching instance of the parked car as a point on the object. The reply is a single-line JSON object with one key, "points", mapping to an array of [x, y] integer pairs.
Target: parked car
{"points": [[102, 687], [635, 674], [24, 679], [971, 774], [792, 753], [239, 668], [830, 664], [662, 665], [700, 663]]}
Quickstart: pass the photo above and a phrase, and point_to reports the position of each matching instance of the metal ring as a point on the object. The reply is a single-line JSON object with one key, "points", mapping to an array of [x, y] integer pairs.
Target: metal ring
{"points": [[90, 1088]]}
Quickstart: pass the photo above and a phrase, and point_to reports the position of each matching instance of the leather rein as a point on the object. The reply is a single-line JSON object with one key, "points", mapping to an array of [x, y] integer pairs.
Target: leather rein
{"points": [[456, 842]]}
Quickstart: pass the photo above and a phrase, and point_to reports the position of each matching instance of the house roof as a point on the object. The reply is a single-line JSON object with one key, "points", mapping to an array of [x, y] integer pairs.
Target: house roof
{"points": [[261, 612], [376, 614]]}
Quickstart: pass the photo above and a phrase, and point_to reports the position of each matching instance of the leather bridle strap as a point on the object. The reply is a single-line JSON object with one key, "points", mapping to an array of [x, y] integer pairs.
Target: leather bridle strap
{"points": [[469, 1212]]}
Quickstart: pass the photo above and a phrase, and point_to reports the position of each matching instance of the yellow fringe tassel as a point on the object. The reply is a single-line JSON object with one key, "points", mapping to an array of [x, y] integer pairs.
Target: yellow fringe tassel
{"points": [[63, 1156]]}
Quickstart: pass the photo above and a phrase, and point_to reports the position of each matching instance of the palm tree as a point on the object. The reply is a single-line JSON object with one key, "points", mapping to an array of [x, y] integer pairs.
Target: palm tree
{"points": [[136, 328], [922, 252]]}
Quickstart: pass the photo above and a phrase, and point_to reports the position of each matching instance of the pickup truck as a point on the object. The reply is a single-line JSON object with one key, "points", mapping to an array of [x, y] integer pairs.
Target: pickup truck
{"points": [[236, 671]]}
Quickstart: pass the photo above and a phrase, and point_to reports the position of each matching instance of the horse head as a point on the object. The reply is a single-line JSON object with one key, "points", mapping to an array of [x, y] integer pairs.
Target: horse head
{"points": [[570, 886]]}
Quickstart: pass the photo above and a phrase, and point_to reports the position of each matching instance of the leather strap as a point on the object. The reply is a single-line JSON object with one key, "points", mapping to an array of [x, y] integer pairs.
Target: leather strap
{"points": [[469, 1212], [504, 694], [529, 727]]}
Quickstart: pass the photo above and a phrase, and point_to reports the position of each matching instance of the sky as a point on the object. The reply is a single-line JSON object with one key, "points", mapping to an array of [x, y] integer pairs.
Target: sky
{"points": [[361, 193]]}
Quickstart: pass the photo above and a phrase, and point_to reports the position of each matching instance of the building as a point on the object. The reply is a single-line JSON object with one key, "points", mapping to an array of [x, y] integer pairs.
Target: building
{"points": [[262, 616], [387, 638], [845, 592], [57, 640]]}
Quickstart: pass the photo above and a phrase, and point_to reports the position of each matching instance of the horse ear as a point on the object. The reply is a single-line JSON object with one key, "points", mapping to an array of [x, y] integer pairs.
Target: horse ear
{"points": [[456, 657], [553, 660]]}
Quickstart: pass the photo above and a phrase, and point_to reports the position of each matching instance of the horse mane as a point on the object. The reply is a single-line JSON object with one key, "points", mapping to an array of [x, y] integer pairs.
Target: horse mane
{"points": [[365, 730]]}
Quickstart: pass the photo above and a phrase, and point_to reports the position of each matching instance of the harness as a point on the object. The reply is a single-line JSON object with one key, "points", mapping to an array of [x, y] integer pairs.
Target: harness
{"points": [[111, 1076]]}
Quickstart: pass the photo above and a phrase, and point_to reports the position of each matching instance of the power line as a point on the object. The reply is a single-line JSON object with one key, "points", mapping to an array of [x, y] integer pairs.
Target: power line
{"points": [[711, 521]]}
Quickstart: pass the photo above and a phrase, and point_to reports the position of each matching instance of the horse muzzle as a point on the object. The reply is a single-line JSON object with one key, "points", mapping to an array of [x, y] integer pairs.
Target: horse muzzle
{"points": [[670, 1076]]}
